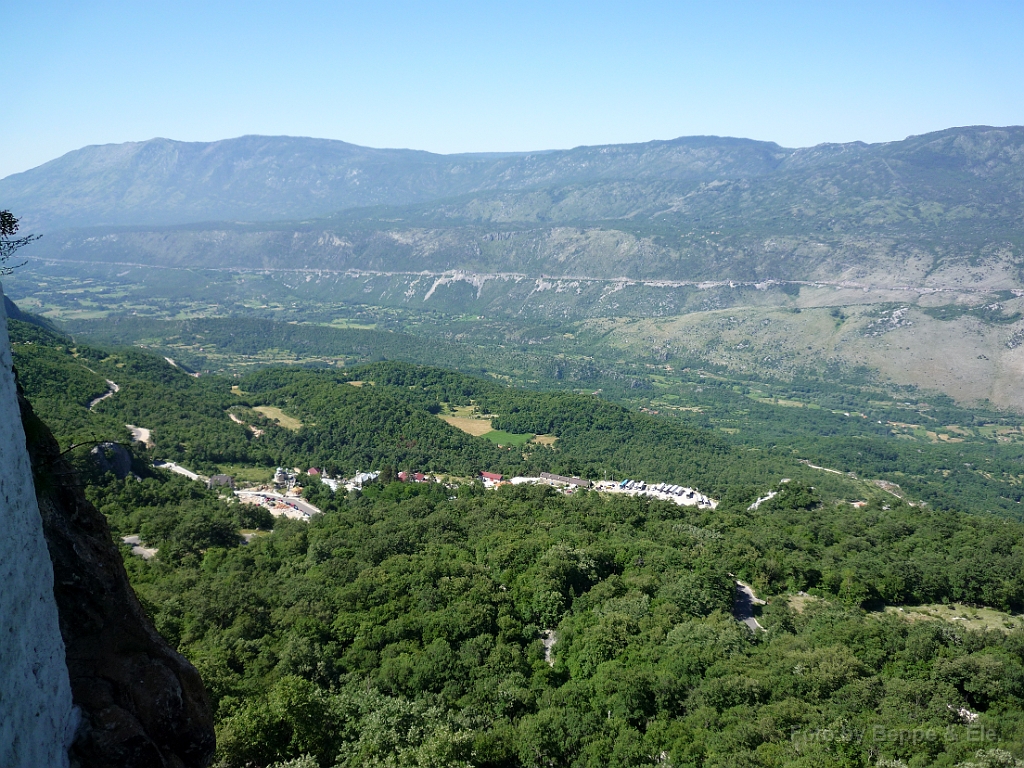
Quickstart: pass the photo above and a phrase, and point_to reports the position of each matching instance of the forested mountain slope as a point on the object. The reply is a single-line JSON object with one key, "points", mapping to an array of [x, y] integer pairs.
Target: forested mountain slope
{"points": [[274, 177], [936, 212], [949, 457], [405, 625], [392, 421]]}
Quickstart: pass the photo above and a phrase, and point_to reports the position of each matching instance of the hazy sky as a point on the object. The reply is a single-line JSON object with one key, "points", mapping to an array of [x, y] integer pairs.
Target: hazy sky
{"points": [[480, 76]]}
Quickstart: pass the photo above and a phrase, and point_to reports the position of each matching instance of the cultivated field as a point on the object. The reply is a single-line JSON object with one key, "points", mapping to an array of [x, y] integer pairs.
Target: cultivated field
{"points": [[467, 419], [280, 417], [501, 437], [470, 425]]}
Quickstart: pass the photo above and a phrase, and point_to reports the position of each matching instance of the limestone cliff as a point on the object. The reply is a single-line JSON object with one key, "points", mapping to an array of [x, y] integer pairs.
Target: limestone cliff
{"points": [[141, 704], [37, 721]]}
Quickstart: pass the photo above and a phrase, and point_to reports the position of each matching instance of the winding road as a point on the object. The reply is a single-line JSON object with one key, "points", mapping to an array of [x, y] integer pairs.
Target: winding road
{"points": [[177, 468], [140, 435], [112, 389], [743, 606]]}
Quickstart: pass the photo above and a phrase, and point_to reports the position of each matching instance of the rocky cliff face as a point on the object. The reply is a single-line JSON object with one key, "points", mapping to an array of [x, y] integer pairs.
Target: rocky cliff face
{"points": [[141, 704], [37, 720]]}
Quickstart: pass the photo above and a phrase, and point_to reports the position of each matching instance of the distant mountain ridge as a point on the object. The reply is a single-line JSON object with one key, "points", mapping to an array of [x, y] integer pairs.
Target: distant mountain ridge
{"points": [[699, 208], [256, 178], [259, 178]]}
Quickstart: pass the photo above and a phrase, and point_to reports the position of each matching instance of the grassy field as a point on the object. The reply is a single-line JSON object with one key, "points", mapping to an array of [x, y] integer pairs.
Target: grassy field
{"points": [[966, 616], [280, 417], [467, 419], [507, 438], [347, 323], [471, 425], [245, 475]]}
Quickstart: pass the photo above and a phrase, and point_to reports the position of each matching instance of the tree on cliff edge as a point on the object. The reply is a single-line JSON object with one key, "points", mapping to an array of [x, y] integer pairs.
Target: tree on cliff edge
{"points": [[9, 243]]}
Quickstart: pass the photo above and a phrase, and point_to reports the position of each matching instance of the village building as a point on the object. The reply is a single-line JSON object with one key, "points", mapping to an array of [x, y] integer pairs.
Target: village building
{"points": [[221, 481], [361, 479], [562, 480], [491, 479]]}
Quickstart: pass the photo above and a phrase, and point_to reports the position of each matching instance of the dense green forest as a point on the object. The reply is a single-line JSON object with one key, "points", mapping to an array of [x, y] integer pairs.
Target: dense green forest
{"points": [[390, 422], [715, 421], [406, 625], [950, 456]]}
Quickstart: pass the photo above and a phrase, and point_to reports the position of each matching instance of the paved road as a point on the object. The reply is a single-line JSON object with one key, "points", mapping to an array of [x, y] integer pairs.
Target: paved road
{"points": [[549, 638], [179, 469], [743, 606], [112, 387], [146, 553], [140, 434]]}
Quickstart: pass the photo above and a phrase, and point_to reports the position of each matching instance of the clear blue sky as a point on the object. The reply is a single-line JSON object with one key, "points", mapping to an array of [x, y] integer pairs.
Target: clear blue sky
{"points": [[485, 76]]}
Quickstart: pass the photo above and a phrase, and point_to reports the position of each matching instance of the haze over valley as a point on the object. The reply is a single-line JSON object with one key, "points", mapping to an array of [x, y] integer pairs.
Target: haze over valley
{"points": [[653, 247]]}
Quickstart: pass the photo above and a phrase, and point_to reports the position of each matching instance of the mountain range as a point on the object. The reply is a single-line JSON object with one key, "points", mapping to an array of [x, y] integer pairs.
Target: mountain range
{"points": [[936, 180], [938, 212], [259, 178]]}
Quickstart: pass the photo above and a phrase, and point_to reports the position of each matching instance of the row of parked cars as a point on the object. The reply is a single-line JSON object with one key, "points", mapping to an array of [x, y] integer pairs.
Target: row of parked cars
{"points": [[664, 488]]}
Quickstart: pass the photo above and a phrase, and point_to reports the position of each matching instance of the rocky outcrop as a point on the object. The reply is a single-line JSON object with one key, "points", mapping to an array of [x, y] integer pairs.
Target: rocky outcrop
{"points": [[142, 704], [112, 457], [37, 720]]}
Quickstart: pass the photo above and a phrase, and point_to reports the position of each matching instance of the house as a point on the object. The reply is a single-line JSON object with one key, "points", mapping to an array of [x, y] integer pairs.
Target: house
{"points": [[219, 481], [561, 480], [363, 478], [494, 477], [313, 472]]}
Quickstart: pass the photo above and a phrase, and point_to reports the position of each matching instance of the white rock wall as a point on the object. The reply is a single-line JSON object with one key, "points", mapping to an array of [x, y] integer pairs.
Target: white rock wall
{"points": [[37, 720]]}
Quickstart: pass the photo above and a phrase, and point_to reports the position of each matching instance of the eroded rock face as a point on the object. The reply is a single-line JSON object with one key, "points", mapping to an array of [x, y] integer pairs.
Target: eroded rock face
{"points": [[142, 704], [111, 457], [37, 720]]}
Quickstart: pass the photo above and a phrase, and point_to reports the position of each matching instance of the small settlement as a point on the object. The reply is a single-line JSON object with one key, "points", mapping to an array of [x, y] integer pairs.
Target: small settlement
{"points": [[283, 497], [682, 495]]}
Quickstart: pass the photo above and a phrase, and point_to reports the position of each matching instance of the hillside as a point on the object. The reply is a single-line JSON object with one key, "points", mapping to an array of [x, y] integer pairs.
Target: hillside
{"points": [[425, 624], [962, 176], [696, 426], [205, 423], [940, 212], [266, 177]]}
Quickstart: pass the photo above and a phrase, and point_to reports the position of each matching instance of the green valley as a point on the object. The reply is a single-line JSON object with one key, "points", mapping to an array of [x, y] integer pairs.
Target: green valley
{"points": [[419, 623], [706, 452]]}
